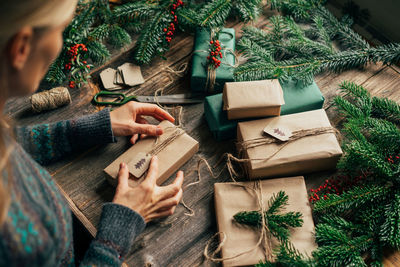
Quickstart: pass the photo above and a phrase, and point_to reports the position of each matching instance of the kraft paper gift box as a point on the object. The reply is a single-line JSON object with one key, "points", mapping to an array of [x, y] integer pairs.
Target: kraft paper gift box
{"points": [[230, 198], [298, 98], [170, 158], [224, 73], [253, 99], [307, 154]]}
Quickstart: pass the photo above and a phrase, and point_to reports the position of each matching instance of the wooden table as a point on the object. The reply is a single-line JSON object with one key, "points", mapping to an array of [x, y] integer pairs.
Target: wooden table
{"points": [[180, 239]]}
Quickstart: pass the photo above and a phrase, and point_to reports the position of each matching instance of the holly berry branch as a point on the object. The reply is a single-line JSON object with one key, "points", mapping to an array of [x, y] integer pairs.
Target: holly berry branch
{"points": [[159, 21], [215, 52], [84, 41]]}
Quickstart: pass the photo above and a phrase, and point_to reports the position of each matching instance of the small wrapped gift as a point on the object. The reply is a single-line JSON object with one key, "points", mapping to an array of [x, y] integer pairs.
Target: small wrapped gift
{"points": [[231, 198], [173, 149], [221, 128], [253, 99], [298, 98], [290, 144], [204, 79]]}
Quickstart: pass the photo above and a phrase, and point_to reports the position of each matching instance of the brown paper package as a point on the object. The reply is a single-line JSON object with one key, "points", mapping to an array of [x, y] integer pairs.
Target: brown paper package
{"points": [[253, 99], [231, 199], [305, 155], [170, 159]]}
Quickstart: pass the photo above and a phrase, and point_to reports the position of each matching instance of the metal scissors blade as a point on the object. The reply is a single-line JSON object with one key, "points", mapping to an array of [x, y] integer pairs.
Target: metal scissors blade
{"points": [[171, 99]]}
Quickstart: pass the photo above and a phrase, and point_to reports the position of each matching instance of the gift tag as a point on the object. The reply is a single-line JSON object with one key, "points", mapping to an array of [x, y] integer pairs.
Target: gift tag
{"points": [[118, 78], [107, 77], [139, 164], [280, 132], [131, 74]]}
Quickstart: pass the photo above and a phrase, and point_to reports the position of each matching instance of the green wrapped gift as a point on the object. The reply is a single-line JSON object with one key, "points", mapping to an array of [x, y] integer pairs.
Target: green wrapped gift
{"points": [[298, 98], [224, 73]]}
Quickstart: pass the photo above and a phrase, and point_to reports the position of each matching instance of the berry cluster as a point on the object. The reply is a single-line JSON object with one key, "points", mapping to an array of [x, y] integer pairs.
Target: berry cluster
{"points": [[75, 54], [169, 32], [394, 159], [215, 51], [335, 186]]}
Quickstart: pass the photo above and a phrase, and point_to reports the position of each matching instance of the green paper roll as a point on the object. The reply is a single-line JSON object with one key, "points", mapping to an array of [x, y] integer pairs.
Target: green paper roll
{"points": [[199, 65]]}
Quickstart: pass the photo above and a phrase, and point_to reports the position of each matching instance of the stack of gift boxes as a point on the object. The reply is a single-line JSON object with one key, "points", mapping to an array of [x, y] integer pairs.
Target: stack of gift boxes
{"points": [[286, 133]]}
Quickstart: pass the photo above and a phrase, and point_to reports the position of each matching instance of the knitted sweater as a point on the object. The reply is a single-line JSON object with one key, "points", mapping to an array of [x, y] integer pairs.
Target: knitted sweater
{"points": [[37, 231]]}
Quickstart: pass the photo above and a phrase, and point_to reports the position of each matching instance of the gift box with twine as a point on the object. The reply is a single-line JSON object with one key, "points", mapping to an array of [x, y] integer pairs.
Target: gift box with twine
{"points": [[173, 149], [288, 145], [255, 99], [245, 246], [204, 79]]}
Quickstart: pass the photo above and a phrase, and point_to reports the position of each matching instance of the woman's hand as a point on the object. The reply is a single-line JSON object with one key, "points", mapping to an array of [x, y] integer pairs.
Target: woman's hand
{"points": [[148, 199], [128, 121]]}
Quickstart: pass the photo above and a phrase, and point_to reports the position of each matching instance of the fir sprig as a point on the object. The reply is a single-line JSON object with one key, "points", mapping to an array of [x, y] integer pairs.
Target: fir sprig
{"points": [[278, 224], [290, 51]]}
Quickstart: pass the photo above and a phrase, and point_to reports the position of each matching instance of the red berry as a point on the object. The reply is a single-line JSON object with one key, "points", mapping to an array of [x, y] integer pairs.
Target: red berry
{"points": [[211, 42], [165, 29]]}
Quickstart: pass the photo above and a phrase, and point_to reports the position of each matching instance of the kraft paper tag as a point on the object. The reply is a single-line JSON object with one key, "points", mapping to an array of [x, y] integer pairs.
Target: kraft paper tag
{"points": [[280, 132], [107, 77], [118, 78], [139, 164], [131, 74]]}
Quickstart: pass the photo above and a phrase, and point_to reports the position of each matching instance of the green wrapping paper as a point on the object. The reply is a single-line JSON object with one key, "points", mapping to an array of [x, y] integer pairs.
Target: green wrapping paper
{"points": [[199, 65], [297, 99]]}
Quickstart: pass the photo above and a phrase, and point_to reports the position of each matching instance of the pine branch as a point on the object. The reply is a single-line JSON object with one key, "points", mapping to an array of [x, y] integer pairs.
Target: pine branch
{"points": [[299, 9], [390, 230], [352, 199], [118, 36], [150, 41], [247, 9], [214, 13]]}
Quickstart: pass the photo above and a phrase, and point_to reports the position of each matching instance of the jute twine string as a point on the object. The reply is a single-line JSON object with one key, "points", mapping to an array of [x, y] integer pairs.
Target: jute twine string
{"points": [[159, 146], [180, 72], [211, 71], [50, 99], [231, 159], [265, 235]]}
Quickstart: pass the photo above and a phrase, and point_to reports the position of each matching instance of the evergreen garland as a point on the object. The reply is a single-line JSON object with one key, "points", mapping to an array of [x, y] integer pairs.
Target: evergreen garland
{"points": [[355, 225], [153, 19], [93, 25], [289, 50]]}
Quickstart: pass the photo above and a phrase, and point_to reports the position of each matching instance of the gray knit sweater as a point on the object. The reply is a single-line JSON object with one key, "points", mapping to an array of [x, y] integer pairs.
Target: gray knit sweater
{"points": [[38, 228]]}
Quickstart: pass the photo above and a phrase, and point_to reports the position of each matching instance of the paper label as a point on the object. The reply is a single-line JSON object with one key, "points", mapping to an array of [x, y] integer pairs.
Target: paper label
{"points": [[139, 164], [131, 74], [280, 132]]}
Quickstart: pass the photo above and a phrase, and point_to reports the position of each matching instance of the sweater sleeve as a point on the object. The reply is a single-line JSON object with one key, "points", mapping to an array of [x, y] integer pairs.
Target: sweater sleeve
{"points": [[49, 142], [118, 228]]}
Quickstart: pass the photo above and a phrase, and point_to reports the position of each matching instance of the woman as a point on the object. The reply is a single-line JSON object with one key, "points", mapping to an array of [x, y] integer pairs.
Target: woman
{"points": [[35, 219]]}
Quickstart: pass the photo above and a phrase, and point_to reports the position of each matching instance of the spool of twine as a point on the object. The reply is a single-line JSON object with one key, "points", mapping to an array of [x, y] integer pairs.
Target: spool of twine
{"points": [[50, 99]]}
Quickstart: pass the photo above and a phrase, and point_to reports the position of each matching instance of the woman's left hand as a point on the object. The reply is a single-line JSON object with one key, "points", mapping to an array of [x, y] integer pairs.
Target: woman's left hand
{"points": [[128, 121]]}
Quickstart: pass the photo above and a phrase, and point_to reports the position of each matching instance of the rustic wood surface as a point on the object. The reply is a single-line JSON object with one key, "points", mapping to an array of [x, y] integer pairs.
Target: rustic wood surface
{"points": [[180, 239]]}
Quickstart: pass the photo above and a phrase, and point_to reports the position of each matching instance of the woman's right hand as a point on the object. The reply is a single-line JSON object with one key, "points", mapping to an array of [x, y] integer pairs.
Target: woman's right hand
{"points": [[148, 199]]}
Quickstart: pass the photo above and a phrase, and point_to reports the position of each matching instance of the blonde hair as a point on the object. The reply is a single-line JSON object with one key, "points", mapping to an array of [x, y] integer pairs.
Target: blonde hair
{"points": [[14, 15]]}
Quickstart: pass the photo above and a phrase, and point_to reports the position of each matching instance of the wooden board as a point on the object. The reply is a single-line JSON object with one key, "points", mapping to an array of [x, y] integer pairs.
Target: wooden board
{"points": [[180, 239]]}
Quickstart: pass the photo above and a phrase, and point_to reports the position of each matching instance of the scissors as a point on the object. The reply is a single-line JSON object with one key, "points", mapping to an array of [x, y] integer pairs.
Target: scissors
{"points": [[122, 99]]}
